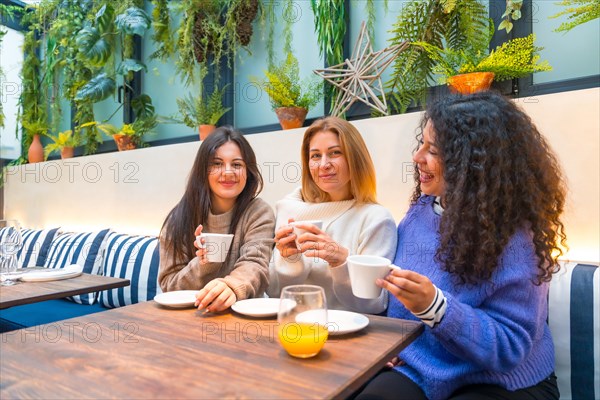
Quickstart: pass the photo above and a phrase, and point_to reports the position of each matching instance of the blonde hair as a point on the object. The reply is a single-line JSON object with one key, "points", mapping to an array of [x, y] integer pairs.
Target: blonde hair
{"points": [[360, 165]]}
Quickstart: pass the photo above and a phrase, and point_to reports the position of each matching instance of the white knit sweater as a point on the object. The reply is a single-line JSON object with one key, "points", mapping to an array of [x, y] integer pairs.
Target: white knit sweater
{"points": [[361, 228]]}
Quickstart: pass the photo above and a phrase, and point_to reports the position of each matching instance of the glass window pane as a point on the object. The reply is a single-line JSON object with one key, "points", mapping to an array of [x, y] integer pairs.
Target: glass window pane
{"points": [[11, 60], [251, 104], [164, 86], [573, 54]]}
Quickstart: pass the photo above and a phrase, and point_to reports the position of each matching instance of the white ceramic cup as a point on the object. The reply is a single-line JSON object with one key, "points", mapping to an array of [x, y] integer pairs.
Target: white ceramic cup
{"points": [[299, 231], [217, 245], [364, 270]]}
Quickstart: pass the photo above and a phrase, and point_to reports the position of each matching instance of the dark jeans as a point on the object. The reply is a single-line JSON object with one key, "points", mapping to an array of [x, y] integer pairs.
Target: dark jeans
{"points": [[396, 386]]}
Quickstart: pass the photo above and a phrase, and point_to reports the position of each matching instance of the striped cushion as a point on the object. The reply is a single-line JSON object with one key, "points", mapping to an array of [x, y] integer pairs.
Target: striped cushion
{"points": [[86, 249], [35, 246], [574, 319], [134, 258]]}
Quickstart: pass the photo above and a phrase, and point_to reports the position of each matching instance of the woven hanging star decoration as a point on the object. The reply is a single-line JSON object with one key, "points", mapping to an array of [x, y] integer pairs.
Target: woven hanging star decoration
{"points": [[359, 79]]}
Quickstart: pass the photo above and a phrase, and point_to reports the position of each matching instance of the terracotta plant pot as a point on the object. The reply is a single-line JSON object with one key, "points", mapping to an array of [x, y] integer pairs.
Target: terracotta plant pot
{"points": [[67, 152], [205, 130], [124, 142], [471, 82], [35, 153], [291, 117]]}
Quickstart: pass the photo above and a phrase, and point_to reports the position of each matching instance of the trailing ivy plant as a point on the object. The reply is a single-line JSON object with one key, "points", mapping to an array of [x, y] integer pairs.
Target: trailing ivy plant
{"points": [[163, 35], [512, 13], [458, 24]]}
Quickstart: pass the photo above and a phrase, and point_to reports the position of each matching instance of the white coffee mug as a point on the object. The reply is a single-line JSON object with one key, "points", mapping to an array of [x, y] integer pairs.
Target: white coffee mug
{"points": [[299, 231], [217, 245], [364, 270]]}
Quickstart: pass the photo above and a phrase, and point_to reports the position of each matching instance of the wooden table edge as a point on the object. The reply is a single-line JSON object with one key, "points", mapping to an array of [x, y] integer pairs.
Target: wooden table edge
{"points": [[358, 382], [117, 283]]}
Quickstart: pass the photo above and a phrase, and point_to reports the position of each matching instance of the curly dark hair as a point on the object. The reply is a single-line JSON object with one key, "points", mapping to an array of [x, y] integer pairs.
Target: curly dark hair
{"points": [[500, 175]]}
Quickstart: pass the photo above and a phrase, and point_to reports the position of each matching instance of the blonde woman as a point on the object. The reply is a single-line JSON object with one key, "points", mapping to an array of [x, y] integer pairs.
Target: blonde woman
{"points": [[338, 188]]}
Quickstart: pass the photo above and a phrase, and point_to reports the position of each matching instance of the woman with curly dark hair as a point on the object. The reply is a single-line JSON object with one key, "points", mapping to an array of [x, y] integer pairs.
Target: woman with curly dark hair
{"points": [[478, 246]]}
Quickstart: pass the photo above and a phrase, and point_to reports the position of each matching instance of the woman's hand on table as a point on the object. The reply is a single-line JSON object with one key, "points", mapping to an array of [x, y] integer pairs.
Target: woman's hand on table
{"points": [[201, 252], [413, 290], [215, 296]]}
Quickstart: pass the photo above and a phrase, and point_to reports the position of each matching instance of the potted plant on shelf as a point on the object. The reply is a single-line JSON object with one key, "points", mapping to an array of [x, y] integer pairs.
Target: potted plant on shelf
{"points": [[471, 69], [64, 142], [33, 131], [129, 136], [290, 98], [203, 112]]}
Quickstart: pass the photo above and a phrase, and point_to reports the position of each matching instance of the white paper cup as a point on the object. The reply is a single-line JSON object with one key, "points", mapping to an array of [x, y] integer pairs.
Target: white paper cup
{"points": [[299, 231], [364, 270], [217, 245]]}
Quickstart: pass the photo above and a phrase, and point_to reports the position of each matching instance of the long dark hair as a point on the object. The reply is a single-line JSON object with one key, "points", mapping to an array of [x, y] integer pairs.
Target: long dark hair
{"points": [[500, 175], [194, 206]]}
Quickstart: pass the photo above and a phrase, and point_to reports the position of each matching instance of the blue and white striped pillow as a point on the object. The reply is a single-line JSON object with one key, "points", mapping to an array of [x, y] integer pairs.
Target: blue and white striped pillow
{"points": [[135, 258], [35, 246], [574, 319], [84, 249]]}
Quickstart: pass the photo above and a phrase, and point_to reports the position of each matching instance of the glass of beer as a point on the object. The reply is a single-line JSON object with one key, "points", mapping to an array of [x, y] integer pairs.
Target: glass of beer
{"points": [[302, 320]]}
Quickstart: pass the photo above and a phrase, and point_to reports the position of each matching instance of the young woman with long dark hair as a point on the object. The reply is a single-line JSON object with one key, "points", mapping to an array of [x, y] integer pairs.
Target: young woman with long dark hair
{"points": [[220, 197]]}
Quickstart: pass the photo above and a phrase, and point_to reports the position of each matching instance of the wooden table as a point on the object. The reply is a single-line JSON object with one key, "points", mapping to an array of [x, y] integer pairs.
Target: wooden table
{"points": [[147, 351], [33, 292]]}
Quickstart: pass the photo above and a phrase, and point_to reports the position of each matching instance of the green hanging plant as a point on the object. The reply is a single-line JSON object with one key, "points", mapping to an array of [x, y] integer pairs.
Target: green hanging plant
{"points": [[162, 36], [330, 27], [459, 24], [578, 12], [512, 13]]}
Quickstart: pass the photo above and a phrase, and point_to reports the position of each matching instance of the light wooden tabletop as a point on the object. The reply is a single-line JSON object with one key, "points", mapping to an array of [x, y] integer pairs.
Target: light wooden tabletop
{"points": [[33, 292], [147, 351]]}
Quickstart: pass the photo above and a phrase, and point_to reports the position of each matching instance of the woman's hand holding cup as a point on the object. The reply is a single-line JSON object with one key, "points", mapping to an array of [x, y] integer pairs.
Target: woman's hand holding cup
{"points": [[199, 244], [285, 240]]}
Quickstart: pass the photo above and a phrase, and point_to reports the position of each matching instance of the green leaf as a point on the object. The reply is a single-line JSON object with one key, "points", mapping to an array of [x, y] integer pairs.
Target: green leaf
{"points": [[142, 106], [97, 89], [505, 24], [105, 18], [134, 21], [93, 46], [516, 14], [129, 65]]}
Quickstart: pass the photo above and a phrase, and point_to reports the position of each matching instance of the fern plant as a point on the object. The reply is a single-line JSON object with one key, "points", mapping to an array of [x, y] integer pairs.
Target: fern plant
{"points": [[515, 58], [578, 12], [285, 89], [198, 111], [457, 23]]}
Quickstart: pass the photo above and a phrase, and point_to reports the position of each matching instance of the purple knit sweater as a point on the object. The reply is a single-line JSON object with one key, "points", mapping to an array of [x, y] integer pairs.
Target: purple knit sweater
{"points": [[493, 333]]}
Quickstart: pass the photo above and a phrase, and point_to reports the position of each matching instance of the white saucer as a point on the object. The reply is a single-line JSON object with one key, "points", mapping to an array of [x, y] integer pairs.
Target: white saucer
{"points": [[260, 307], [177, 299], [339, 322], [49, 274]]}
